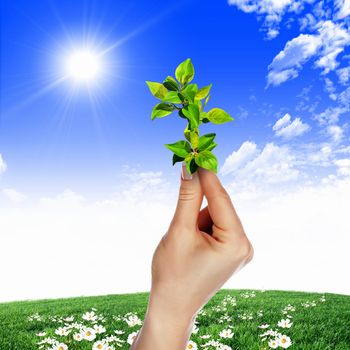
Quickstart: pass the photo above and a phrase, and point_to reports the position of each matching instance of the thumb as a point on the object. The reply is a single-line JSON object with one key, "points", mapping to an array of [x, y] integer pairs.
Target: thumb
{"points": [[189, 200]]}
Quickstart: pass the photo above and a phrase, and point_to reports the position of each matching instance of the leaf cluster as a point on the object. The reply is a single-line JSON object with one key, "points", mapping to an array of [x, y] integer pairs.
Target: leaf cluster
{"points": [[180, 95]]}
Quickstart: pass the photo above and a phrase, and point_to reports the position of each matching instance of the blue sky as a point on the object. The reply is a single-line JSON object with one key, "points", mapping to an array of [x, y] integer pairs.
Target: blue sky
{"points": [[280, 68], [62, 138]]}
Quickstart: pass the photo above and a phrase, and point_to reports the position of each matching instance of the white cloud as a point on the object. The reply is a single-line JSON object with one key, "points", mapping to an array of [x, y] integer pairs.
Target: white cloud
{"points": [[335, 37], [343, 7], [237, 158], [289, 61], [3, 165], [336, 132], [288, 129], [86, 241], [322, 157], [251, 167], [343, 166], [327, 44], [282, 122], [344, 98], [330, 115], [344, 75], [306, 229], [273, 10], [330, 88], [113, 240], [13, 195]]}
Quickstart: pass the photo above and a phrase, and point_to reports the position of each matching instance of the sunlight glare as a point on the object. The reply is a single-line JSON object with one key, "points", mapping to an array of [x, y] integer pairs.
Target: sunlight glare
{"points": [[83, 65]]}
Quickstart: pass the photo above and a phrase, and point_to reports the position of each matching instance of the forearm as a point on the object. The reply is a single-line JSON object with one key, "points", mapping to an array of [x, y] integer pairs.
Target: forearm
{"points": [[163, 327]]}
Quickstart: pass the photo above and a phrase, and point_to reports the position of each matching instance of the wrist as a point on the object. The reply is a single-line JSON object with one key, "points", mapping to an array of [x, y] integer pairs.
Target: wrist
{"points": [[164, 327]]}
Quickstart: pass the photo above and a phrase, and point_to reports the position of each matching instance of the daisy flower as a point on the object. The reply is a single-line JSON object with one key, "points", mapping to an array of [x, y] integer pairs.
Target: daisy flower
{"points": [[60, 346], [284, 341], [89, 334], [191, 345], [273, 344], [99, 345], [90, 316], [285, 323], [132, 337], [226, 333], [264, 325], [99, 329], [78, 336], [62, 331]]}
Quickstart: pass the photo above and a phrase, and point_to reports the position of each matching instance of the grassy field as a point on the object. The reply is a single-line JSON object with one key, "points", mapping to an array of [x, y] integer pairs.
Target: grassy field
{"points": [[233, 319]]}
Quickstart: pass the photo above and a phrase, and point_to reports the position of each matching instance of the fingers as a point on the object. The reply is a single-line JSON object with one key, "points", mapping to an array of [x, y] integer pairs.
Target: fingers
{"points": [[220, 207], [205, 223], [189, 202]]}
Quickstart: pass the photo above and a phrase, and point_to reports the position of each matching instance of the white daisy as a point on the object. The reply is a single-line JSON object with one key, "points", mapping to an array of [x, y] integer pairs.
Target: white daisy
{"points": [[60, 346], [273, 344], [89, 334], [264, 326], [90, 316], [226, 333], [284, 341], [99, 329], [285, 323], [131, 337], [78, 336], [99, 345], [133, 320], [62, 331], [191, 345], [41, 334]]}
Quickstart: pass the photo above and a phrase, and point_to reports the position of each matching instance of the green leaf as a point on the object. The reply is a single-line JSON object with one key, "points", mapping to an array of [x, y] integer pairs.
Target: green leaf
{"points": [[211, 146], [192, 113], [206, 101], [207, 160], [176, 159], [180, 148], [191, 165], [157, 89], [187, 133], [171, 84], [182, 115], [203, 115], [161, 110], [189, 92], [218, 116], [184, 72], [205, 141], [194, 139], [203, 92], [172, 97]]}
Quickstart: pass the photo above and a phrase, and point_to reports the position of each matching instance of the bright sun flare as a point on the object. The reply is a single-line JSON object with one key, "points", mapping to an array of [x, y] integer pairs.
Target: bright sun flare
{"points": [[83, 65]]}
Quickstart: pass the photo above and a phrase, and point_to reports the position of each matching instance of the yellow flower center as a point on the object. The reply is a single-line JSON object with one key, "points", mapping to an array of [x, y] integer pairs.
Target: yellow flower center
{"points": [[283, 340], [88, 333], [99, 346], [190, 346]]}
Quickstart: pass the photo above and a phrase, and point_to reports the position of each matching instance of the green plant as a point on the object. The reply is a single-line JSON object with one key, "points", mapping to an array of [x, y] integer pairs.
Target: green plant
{"points": [[186, 98]]}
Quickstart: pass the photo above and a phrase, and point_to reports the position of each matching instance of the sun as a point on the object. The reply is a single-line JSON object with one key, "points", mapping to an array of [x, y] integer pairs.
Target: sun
{"points": [[84, 65]]}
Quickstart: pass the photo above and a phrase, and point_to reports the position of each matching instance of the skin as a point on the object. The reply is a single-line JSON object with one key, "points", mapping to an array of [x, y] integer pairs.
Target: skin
{"points": [[200, 251]]}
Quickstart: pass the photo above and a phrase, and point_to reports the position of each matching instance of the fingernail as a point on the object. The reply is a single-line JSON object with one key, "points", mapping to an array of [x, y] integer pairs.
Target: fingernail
{"points": [[185, 175]]}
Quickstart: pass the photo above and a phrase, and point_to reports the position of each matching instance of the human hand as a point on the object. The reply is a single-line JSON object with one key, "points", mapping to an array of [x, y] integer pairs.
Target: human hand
{"points": [[196, 256]]}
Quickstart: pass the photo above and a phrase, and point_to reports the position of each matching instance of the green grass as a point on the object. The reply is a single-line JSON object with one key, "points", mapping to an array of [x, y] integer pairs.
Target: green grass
{"points": [[321, 327]]}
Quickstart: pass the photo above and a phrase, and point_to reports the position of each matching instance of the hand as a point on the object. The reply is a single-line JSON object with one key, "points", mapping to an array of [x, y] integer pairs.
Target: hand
{"points": [[196, 256]]}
